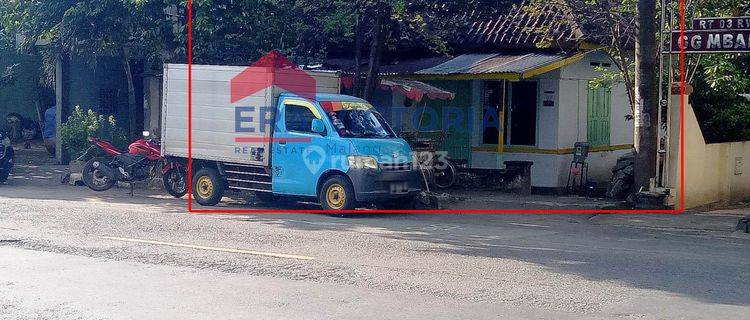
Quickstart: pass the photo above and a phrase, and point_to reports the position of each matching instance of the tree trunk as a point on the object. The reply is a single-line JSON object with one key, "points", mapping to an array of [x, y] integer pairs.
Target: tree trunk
{"points": [[646, 95], [132, 112], [358, 56], [376, 51]]}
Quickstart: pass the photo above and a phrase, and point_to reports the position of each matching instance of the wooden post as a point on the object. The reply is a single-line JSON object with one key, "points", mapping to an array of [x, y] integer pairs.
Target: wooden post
{"points": [[646, 95], [62, 90]]}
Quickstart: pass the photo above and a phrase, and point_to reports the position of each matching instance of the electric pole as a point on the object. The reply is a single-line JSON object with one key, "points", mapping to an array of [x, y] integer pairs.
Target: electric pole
{"points": [[646, 95]]}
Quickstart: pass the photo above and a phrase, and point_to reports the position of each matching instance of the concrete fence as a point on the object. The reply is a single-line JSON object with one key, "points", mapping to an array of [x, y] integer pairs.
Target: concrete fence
{"points": [[714, 172]]}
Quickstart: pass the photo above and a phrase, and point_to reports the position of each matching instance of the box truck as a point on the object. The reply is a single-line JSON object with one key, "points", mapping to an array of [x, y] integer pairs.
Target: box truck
{"points": [[283, 133]]}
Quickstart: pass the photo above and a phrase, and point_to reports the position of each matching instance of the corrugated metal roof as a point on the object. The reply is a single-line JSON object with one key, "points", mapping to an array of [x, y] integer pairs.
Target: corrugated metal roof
{"points": [[461, 64], [494, 63], [397, 68]]}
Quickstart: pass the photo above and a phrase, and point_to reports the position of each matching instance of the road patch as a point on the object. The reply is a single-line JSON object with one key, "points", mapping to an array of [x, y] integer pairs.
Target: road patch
{"points": [[230, 250]]}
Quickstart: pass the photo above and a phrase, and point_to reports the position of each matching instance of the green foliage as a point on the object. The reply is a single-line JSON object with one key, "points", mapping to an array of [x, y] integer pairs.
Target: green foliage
{"points": [[724, 116], [81, 125], [725, 120], [8, 76], [607, 78], [608, 24], [719, 79], [726, 73], [92, 28], [239, 32]]}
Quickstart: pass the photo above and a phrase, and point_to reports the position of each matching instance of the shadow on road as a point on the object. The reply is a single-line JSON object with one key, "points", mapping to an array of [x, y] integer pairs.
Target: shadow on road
{"points": [[687, 265]]}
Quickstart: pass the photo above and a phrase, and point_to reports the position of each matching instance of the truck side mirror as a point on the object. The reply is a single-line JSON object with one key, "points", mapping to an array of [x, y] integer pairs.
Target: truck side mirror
{"points": [[318, 126]]}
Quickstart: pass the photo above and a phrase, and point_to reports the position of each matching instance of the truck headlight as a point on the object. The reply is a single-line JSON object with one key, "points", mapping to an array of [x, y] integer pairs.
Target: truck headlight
{"points": [[362, 162]]}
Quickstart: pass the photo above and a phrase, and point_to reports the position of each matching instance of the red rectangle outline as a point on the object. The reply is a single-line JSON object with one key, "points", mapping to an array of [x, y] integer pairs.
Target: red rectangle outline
{"points": [[451, 211]]}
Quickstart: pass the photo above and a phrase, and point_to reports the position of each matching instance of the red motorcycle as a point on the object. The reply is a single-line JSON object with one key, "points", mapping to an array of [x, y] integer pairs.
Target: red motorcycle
{"points": [[142, 161]]}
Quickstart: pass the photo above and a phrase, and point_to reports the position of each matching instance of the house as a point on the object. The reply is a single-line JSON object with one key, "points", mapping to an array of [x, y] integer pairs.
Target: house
{"points": [[98, 84], [517, 102]]}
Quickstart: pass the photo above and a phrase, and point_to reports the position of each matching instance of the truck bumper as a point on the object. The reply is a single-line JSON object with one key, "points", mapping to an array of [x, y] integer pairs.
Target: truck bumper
{"points": [[378, 186]]}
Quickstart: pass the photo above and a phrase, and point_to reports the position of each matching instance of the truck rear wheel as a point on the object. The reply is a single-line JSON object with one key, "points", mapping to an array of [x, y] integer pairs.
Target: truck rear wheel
{"points": [[337, 193], [208, 187]]}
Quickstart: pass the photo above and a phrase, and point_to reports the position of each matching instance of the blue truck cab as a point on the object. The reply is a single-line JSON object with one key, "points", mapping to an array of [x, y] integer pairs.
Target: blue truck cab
{"points": [[340, 150]]}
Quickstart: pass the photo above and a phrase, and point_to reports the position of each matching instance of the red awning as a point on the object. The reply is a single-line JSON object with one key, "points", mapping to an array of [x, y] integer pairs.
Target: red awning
{"points": [[416, 90]]}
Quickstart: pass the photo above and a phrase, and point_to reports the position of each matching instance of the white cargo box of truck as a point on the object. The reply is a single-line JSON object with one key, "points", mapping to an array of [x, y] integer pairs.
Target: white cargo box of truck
{"points": [[217, 135]]}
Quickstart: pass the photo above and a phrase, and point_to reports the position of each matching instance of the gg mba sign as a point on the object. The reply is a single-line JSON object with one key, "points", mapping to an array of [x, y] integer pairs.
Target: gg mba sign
{"points": [[714, 35]]}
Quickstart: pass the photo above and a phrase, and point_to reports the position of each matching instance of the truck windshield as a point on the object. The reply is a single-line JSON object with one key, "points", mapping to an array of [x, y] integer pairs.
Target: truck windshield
{"points": [[363, 122]]}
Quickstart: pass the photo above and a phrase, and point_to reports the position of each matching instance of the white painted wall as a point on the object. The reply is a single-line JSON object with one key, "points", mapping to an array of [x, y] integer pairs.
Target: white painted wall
{"points": [[573, 117], [574, 78], [714, 172], [547, 121]]}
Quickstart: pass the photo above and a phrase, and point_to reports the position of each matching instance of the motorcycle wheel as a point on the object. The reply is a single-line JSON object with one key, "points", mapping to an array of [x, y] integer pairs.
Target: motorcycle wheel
{"points": [[446, 177], [427, 176], [175, 182], [97, 176]]}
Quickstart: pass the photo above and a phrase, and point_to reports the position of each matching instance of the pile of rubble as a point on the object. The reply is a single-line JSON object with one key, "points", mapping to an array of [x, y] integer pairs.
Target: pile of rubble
{"points": [[622, 177]]}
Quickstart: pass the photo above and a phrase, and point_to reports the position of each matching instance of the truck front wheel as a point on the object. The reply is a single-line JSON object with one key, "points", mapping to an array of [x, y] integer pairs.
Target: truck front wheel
{"points": [[208, 187], [337, 193]]}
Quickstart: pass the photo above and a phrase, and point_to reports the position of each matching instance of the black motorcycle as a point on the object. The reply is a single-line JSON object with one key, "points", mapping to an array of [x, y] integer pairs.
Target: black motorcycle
{"points": [[6, 157]]}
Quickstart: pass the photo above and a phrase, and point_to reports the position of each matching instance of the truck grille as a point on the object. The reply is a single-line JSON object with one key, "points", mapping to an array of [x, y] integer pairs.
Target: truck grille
{"points": [[406, 166]]}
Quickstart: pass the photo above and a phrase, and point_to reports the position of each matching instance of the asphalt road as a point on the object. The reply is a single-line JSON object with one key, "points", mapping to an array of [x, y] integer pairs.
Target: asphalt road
{"points": [[70, 253]]}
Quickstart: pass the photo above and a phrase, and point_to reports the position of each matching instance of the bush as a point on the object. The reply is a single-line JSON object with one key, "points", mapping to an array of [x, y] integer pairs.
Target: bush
{"points": [[723, 115], [81, 125], [723, 118]]}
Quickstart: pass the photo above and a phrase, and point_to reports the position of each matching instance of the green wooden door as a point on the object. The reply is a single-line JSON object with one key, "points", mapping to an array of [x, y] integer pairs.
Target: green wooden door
{"points": [[599, 101]]}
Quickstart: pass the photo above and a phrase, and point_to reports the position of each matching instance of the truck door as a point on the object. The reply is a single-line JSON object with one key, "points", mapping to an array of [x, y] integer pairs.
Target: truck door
{"points": [[299, 154]]}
